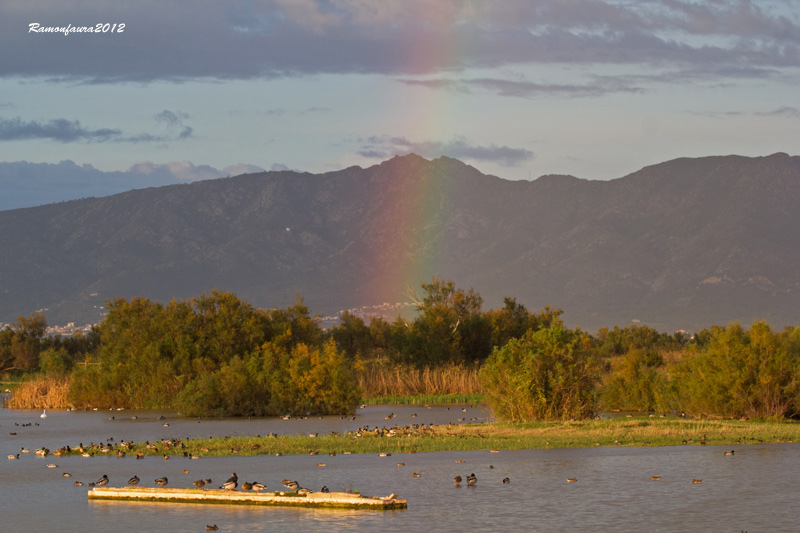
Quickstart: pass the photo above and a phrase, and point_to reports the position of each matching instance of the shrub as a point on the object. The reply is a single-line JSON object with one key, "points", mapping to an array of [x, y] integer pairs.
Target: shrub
{"points": [[548, 374]]}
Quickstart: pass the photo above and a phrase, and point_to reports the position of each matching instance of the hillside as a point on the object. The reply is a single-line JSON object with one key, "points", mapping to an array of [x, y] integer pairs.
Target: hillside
{"points": [[679, 245]]}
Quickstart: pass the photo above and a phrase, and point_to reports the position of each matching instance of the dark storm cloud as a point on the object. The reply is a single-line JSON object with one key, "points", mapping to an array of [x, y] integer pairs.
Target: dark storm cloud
{"points": [[178, 40], [383, 147]]}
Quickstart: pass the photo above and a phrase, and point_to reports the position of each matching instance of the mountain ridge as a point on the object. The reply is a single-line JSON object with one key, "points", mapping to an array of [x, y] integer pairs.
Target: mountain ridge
{"points": [[682, 244]]}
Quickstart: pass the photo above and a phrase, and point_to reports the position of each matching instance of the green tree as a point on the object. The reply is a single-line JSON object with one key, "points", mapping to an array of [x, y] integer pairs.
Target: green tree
{"points": [[56, 362], [353, 336], [738, 373], [548, 374], [450, 326], [27, 341], [636, 382], [6, 356]]}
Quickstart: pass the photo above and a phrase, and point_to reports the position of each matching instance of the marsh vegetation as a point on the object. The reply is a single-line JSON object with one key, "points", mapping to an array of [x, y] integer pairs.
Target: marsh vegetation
{"points": [[216, 355]]}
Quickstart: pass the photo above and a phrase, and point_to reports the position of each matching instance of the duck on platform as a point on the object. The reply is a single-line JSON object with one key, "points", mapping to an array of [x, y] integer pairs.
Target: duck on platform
{"points": [[199, 483], [247, 486], [162, 481], [102, 482], [258, 487], [232, 482], [292, 485], [134, 481]]}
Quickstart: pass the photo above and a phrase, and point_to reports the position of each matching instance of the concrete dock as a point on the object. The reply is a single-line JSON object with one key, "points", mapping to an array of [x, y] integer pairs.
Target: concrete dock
{"points": [[341, 500]]}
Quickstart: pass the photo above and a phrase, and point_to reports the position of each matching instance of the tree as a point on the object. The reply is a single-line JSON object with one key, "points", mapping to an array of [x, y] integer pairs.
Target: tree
{"points": [[548, 374], [449, 328], [352, 335], [26, 342], [738, 373]]}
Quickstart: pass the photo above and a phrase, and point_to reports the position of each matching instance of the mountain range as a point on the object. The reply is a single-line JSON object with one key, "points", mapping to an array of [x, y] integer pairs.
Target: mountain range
{"points": [[683, 244]]}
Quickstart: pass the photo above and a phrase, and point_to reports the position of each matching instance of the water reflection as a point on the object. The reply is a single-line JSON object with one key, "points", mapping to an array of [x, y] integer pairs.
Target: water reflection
{"points": [[752, 490]]}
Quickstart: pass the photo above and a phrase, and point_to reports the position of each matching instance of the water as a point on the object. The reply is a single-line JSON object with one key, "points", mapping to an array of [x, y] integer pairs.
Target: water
{"points": [[753, 490]]}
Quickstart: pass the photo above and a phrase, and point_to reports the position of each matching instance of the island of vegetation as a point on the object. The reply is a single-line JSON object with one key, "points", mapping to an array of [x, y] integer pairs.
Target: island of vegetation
{"points": [[215, 355]]}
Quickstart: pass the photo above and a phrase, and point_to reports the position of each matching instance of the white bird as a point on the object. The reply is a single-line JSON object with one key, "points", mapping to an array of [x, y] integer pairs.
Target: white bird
{"points": [[44, 413]]}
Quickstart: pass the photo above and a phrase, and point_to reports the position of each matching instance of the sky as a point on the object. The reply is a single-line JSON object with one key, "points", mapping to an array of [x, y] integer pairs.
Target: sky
{"points": [[195, 89]]}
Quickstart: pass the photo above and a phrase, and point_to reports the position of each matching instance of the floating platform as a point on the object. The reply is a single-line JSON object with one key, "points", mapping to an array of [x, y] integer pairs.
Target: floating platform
{"points": [[340, 500]]}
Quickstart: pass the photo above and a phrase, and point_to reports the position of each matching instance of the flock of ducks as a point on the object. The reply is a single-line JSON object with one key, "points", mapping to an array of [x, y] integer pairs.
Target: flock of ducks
{"points": [[230, 484]]}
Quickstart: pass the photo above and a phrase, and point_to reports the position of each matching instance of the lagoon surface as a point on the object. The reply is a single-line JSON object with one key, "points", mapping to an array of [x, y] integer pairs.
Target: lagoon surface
{"points": [[754, 490]]}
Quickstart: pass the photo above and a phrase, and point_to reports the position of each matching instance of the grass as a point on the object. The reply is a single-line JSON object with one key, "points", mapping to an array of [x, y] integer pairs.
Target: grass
{"points": [[640, 431], [381, 379], [424, 399], [40, 392]]}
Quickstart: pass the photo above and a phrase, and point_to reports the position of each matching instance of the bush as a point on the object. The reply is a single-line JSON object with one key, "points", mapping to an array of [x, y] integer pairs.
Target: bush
{"points": [[739, 373], [635, 383], [548, 374]]}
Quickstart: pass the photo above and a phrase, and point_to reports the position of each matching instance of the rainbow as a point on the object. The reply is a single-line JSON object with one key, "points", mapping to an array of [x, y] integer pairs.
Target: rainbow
{"points": [[408, 249]]}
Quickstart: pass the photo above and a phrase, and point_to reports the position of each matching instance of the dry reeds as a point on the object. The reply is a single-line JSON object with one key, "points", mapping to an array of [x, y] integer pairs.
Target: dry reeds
{"points": [[41, 392], [383, 379]]}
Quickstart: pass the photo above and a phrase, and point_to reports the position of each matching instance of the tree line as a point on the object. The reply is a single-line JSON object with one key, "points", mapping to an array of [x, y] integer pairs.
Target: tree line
{"points": [[217, 355]]}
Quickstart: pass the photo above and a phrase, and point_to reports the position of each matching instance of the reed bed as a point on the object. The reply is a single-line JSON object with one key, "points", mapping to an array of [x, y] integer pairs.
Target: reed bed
{"points": [[381, 379], [41, 392]]}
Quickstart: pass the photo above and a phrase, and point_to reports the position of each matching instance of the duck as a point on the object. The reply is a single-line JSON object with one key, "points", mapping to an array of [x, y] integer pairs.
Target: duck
{"points": [[232, 482], [199, 483], [506, 480], [162, 481], [729, 453], [572, 479], [304, 491], [247, 486], [78, 484], [134, 481], [292, 485], [325, 489], [258, 487], [471, 479], [655, 478], [212, 528], [457, 480], [102, 482], [696, 481]]}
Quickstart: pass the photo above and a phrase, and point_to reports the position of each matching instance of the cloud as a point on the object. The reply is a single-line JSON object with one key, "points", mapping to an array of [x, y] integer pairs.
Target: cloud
{"points": [[527, 89], [59, 129], [784, 111], [383, 147], [27, 184], [186, 171], [178, 41], [68, 131], [174, 123]]}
